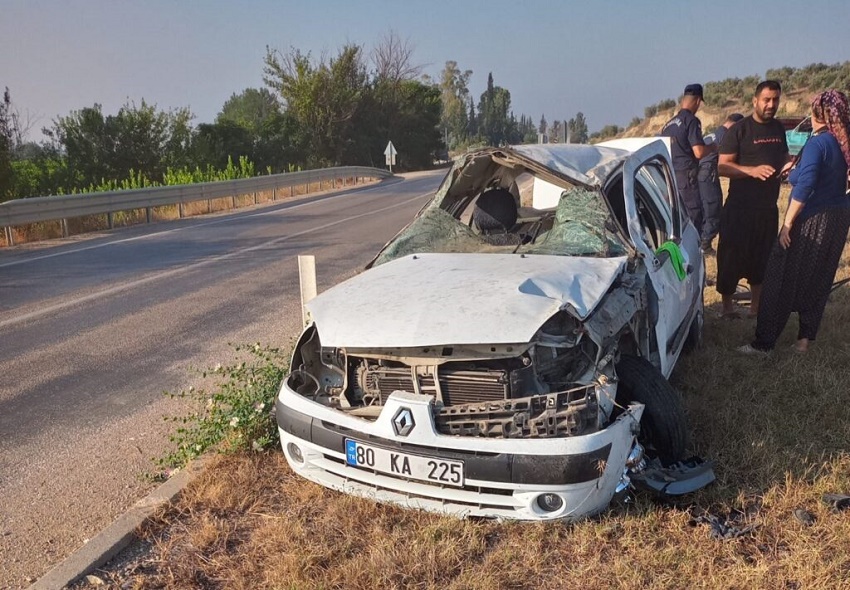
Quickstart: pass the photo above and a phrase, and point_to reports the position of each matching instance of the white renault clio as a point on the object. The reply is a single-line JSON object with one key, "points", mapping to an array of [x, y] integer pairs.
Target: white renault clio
{"points": [[506, 355]]}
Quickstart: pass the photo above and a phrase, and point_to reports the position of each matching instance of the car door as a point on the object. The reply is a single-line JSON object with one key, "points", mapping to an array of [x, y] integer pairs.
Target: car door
{"points": [[669, 245]]}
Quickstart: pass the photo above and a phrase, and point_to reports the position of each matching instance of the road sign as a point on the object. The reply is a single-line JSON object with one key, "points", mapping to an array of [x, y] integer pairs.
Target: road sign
{"points": [[390, 153]]}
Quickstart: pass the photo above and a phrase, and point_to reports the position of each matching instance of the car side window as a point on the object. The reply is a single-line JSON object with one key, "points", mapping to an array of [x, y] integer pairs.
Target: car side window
{"points": [[652, 177], [652, 211]]}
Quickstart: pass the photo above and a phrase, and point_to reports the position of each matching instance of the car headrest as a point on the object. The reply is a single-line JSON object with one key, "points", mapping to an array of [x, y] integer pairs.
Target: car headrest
{"points": [[495, 210]]}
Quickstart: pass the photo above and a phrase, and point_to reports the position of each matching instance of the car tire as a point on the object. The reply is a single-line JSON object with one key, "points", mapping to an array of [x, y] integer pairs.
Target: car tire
{"points": [[663, 427]]}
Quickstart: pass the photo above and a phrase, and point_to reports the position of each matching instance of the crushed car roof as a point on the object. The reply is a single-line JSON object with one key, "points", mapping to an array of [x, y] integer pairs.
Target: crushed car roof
{"points": [[589, 164]]}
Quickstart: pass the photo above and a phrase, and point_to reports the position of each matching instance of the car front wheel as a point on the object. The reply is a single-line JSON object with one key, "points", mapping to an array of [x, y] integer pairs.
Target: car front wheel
{"points": [[663, 426]]}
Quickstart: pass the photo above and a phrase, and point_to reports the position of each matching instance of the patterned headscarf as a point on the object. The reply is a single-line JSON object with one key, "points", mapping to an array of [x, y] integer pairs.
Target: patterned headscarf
{"points": [[832, 107]]}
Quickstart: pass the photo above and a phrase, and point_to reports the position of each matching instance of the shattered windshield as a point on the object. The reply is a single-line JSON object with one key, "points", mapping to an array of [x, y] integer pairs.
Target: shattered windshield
{"points": [[582, 226], [576, 222]]}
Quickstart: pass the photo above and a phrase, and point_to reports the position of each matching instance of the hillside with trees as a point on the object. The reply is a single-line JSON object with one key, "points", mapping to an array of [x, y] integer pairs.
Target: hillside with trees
{"points": [[735, 95]]}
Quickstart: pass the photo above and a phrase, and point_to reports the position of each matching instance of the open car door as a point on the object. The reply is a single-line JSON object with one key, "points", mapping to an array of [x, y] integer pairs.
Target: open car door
{"points": [[655, 225]]}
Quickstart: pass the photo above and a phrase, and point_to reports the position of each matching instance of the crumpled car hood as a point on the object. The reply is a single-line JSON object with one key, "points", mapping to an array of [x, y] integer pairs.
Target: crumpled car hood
{"points": [[456, 299]]}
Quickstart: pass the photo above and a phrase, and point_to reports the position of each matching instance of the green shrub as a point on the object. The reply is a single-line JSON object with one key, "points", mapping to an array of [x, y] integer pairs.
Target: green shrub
{"points": [[236, 413]]}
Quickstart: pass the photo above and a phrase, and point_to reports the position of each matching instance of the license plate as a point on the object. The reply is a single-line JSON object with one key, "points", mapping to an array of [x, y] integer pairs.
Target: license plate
{"points": [[439, 471]]}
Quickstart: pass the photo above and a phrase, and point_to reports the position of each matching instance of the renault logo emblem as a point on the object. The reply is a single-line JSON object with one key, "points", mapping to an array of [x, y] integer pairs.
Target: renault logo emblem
{"points": [[403, 422]]}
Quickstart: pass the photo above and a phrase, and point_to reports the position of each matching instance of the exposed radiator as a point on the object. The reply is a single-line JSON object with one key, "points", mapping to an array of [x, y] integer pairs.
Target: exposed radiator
{"points": [[457, 386]]}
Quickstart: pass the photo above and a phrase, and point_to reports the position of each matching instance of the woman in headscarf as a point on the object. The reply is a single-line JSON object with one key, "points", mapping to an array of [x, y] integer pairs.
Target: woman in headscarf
{"points": [[803, 262]]}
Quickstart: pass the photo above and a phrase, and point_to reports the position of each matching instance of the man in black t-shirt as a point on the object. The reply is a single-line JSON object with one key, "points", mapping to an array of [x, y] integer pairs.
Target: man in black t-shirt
{"points": [[753, 155], [686, 148]]}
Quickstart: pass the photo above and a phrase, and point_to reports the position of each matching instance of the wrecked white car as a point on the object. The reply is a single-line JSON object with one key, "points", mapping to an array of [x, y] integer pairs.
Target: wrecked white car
{"points": [[506, 354]]}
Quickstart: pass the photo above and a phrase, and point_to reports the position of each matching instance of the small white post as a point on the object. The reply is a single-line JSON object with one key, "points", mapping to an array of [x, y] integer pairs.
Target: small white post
{"points": [[307, 280]]}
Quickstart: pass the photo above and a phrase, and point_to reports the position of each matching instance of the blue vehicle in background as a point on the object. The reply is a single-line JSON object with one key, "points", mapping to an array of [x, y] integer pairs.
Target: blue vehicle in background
{"points": [[798, 136]]}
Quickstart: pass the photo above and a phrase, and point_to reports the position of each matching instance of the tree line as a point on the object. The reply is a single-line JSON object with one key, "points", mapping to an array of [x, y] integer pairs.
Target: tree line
{"points": [[312, 112]]}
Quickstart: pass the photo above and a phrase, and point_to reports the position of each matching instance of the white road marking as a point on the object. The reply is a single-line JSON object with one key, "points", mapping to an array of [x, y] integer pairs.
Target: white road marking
{"points": [[172, 272], [185, 227]]}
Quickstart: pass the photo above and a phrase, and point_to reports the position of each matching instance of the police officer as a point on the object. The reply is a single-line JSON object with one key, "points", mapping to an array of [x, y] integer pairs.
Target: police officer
{"points": [[687, 148], [709, 186]]}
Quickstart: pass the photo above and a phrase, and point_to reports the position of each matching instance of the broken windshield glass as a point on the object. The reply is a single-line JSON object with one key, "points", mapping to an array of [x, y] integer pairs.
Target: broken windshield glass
{"points": [[580, 225], [583, 226]]}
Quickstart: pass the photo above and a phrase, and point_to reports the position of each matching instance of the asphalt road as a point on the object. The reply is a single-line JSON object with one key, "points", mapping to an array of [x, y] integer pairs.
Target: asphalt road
{"points": [[94, 330]]}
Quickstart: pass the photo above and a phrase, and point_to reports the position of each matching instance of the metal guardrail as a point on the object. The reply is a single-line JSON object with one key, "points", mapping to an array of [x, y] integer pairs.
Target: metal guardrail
{"points": [[63, 207]]}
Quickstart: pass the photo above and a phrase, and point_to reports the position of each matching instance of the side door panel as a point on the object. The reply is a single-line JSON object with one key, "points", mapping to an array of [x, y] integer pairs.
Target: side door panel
{"points": [[647, 185]]}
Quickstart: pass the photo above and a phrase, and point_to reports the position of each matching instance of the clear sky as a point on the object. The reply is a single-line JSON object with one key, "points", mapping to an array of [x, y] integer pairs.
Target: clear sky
{"points": [[608, 59]]}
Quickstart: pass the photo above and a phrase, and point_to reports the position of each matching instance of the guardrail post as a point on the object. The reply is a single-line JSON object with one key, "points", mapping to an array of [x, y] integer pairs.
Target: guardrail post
{"points": [[333, 182], [233, 201], [110, 221], [10, 236], [290, 191], [180, 210], [64, 228], [209, 205], [274, 193], [255, 197], [148, 214]]}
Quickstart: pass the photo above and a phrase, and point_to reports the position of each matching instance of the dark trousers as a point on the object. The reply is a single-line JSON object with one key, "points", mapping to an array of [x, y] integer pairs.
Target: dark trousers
{"points": [[689, 192], [711, 196], [800, 278]]}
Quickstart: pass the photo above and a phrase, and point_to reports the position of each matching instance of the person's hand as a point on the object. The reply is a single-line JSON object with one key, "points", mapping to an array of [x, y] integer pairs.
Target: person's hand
{"points": [[785, 236], [786, 170], [762, 172]]}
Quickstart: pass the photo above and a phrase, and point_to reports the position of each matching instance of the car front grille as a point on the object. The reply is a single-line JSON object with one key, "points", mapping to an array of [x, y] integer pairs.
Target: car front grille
{"points": [[457, 387]]}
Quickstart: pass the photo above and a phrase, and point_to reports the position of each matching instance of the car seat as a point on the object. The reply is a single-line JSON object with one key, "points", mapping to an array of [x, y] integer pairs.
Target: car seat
{"points": [[495, 214]]}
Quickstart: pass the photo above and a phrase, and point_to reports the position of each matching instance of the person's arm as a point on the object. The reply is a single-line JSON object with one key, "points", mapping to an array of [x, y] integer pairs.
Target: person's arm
{"points": [[698, 146], [728, 166], [701, 151], [804, 179], [794, 208]]}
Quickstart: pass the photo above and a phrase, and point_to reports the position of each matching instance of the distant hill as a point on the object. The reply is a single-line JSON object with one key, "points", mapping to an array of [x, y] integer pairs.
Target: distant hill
{"points": [[794, 103], [735, 95]]}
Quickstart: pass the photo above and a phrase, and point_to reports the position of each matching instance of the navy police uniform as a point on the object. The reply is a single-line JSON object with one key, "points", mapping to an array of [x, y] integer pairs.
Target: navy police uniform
{"points": [[685, 131]]}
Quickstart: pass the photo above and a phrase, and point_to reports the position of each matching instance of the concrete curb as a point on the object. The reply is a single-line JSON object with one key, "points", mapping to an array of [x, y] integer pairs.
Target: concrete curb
{"points": [[117, 536]]}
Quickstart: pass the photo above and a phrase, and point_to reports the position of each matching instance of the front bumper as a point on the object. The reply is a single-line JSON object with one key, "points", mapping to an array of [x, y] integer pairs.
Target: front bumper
{"points": [[503, 477]]}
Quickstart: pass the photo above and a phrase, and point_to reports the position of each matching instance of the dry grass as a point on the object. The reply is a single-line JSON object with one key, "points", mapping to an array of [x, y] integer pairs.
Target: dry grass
{"points": [[778, 430]]}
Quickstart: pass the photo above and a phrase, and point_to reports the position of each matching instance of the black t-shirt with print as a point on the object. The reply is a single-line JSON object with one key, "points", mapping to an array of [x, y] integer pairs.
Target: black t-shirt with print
{"points": [[755, 144]]}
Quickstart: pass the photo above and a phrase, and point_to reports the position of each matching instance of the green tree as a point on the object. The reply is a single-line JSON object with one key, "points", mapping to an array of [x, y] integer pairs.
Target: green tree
{"points": [[527, 130], [138, 138], [324, 97], [472, 121], [250, 109], [216, 143], [578, 129], [555, 132], [454, 94], [7, 145], [414, 128], [494, 108], [280, 145]]}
